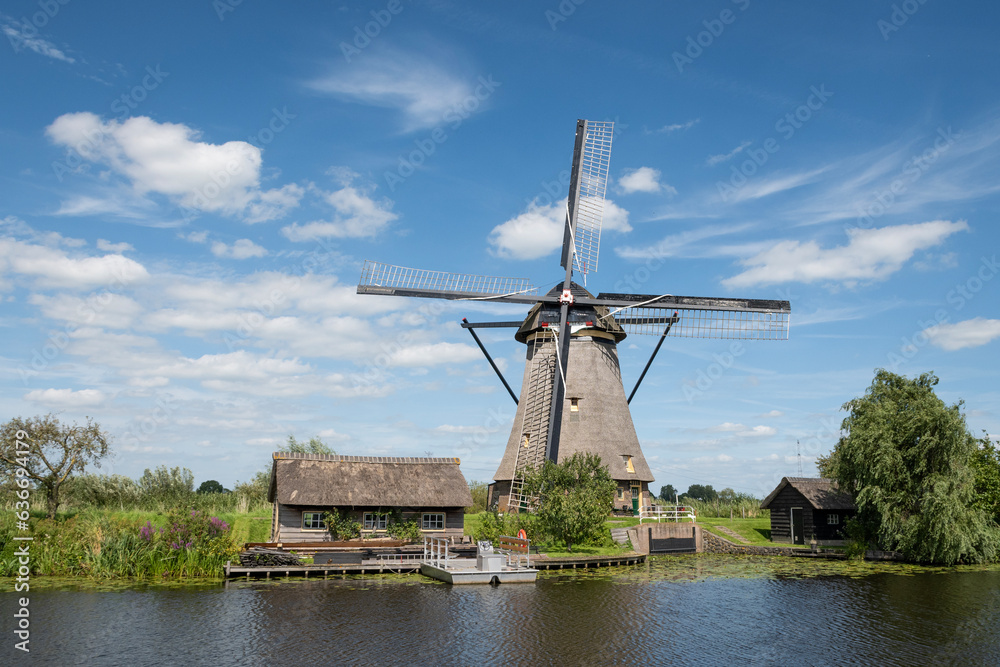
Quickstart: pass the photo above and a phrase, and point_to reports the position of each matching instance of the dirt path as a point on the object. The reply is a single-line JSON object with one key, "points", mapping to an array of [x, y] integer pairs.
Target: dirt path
{"points": [[733, 534]]}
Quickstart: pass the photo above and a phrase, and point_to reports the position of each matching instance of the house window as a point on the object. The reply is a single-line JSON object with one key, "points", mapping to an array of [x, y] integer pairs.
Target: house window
{"points": [[313, 521], [627, 460], [621, 493], [375, 521], [833, 519], [432, 522]]}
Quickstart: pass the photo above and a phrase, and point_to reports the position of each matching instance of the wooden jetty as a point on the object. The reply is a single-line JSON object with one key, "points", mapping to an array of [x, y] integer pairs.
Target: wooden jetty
{"points": [[410, 562]]}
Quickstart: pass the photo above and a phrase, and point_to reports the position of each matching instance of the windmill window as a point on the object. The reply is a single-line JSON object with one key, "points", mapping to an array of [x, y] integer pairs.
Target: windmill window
{"points": [[432, 522], [525, 439], [574, 405], [313, 521], [627, 460], [375, 521]]}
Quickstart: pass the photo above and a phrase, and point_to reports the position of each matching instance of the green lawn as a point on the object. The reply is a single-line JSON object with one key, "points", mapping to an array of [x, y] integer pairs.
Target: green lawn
{"points": [[756, 531]]}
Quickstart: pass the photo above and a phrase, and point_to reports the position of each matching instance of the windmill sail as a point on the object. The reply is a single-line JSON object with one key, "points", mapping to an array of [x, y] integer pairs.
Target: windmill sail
{"points": [[701, 317], [386, 279], [588, 185]]}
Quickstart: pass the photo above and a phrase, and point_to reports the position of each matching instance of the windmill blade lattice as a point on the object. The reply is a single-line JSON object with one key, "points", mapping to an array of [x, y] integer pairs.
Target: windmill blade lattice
{"points": [[695, 323], [595, 162], [387, 279]]}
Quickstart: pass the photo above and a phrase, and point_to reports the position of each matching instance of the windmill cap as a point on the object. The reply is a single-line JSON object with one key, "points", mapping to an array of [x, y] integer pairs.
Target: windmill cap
{"points": [[592, 317]]}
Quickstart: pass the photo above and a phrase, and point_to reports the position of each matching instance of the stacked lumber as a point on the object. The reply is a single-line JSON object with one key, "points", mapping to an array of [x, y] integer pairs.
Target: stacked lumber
{"points": [[261, 557]]}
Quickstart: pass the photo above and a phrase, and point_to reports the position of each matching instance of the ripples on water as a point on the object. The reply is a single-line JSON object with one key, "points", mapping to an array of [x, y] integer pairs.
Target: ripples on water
{"points": [[683, 611]]}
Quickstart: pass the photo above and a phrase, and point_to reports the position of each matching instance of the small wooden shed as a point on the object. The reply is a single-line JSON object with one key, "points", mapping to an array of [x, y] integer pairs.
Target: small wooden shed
{"points": [[804, 508], [431, 491]]}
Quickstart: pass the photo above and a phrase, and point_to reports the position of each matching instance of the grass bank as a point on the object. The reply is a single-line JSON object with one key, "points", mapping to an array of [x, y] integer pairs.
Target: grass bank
{"points": [[135, 544]]}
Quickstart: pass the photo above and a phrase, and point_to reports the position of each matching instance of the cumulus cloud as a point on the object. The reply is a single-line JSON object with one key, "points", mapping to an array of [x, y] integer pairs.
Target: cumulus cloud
{"points": [[108, 246], [539, 230], [67, 398], [643, 179], [870, 254], [241, 249], [355, 215], [169, 159], [960, 335], [53, 267]]}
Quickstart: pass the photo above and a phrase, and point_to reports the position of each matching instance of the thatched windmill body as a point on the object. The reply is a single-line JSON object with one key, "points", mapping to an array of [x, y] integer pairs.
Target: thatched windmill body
{"points": [[572, 397]]}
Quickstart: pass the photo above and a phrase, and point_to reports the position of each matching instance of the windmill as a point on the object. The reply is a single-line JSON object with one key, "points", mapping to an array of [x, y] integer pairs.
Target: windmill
{"points": [[572, 398]]}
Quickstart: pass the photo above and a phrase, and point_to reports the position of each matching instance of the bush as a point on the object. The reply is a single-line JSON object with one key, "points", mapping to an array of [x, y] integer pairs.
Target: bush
{"points": [[341, 528]]}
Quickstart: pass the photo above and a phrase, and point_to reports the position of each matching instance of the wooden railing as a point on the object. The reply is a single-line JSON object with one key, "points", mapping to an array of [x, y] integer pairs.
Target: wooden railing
{"points": [[666, 512]]}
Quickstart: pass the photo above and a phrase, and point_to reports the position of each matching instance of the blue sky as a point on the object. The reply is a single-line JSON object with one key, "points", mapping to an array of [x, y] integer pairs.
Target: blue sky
{"points": [[189, 191]]}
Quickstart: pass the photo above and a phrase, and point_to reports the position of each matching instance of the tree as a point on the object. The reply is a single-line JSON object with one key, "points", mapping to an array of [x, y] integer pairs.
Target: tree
{"points": [[574, 497], [480, 494], [905, 458], [211, 486], [699, 492], [50, 453], [170, 486], [668, 492], [986, 465], [314, 446]]}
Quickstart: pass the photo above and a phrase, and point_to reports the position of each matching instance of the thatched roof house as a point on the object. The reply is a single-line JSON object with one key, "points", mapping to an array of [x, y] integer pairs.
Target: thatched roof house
{"points": [[304, 486], [804, 508]]}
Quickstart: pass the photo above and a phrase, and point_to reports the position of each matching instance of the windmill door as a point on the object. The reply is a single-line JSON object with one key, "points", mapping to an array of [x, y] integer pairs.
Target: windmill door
{"points": [[635, 498], [798, 528]]}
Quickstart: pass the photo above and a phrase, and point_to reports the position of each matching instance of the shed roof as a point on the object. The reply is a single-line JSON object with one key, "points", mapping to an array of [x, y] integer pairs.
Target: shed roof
{"points": [[367, 481], [820, 492]]}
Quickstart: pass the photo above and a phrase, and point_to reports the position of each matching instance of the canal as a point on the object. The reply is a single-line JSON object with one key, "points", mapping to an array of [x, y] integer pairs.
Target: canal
{"points": [[693, 610]]}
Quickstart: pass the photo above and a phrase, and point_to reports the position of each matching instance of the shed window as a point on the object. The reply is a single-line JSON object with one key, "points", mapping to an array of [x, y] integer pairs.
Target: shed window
{"points": [[375, 521], [432, 522], [833, 519], [313, 521]]}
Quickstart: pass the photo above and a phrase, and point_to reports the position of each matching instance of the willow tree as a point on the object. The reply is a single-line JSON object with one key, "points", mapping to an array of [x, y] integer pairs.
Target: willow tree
{"points": [[905, 456], [50, 453]]}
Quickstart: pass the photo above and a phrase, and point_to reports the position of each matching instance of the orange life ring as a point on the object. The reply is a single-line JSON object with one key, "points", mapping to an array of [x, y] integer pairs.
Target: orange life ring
{"points": [[521, 535]]}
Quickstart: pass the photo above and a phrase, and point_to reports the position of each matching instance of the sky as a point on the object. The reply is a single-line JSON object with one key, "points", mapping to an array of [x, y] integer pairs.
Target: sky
{"points": [[188, 192]]}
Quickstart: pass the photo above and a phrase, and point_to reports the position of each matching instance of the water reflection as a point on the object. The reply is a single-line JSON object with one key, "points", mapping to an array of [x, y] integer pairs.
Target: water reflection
{"points": [[672, 611]]}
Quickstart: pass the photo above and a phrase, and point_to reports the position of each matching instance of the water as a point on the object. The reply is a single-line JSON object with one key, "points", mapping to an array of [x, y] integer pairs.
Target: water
{"points": [[695, 610]]}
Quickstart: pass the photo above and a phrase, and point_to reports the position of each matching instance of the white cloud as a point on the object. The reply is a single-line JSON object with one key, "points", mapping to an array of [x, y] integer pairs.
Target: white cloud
{"points": [[67, 398], [433, 354], [870, 254], [20, 40], [678, 126], [773, 413], [108, 246], [169, 159], [421, 90], [241, 249], [724, 157], [356, 215], [539, 230], [107, 309], [960, 335], [274, 204], [52, 267], [643, 179]]}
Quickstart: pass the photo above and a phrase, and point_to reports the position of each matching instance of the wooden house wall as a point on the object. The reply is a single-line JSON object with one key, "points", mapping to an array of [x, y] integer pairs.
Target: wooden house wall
{"points": [[290, 521], [781, 515]]}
